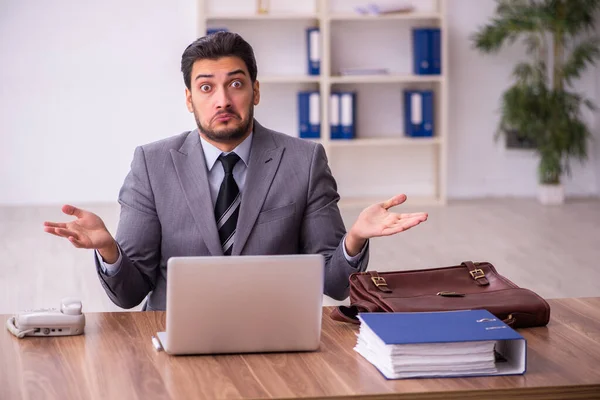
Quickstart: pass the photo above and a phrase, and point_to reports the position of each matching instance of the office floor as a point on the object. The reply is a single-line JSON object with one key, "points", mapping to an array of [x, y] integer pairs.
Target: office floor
{"points": [[554, 251]]}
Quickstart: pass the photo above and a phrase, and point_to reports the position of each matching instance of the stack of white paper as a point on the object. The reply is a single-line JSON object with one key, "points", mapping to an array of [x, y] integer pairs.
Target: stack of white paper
{"points": [[431, 359]]}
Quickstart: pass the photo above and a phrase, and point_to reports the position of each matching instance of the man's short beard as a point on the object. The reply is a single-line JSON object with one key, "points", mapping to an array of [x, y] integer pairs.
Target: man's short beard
{"points": [[227, 135]]}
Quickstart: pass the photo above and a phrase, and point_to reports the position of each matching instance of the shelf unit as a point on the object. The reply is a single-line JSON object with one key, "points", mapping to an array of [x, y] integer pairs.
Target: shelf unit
{"points": [[327, 18]]}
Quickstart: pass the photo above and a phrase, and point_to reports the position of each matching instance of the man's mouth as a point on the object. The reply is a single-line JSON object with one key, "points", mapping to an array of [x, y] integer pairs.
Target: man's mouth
{"points": [[224, 117]]}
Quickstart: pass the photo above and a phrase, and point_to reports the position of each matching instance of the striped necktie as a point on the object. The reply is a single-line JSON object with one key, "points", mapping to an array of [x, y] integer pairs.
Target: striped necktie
{"points": [[228, 202]]}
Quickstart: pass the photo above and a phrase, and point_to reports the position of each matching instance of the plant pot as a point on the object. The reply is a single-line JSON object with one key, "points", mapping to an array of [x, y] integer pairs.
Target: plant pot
{"points": [[551, 195]]}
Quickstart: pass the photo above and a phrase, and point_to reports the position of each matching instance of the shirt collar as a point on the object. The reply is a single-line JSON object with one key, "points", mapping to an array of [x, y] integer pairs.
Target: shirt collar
{"points": [[211, 153]]}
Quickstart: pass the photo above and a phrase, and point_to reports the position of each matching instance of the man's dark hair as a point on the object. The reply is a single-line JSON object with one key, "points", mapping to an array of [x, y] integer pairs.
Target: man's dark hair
{"points": [[215, 46]]}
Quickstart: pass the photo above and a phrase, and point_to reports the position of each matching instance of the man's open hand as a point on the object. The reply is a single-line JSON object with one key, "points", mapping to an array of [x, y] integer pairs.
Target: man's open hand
{"points": [[87, 232], [377, 220]]}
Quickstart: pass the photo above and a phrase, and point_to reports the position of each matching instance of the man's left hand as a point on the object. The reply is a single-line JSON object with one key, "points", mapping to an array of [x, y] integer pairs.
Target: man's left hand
{"points": [[376, 220]]}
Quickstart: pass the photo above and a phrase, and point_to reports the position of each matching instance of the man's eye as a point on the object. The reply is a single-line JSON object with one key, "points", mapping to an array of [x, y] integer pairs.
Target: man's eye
{"points": [[236, 84], [205, 88]]}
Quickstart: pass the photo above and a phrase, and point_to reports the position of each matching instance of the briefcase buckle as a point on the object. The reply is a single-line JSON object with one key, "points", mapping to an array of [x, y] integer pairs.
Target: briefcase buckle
{"points": [[378, 281], [477, 273]]}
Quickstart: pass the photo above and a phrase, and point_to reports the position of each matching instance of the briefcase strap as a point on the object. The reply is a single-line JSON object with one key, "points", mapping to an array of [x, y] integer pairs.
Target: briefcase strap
{"points": [[350, 313], [379, 282], [476, 273], [340, 314]]}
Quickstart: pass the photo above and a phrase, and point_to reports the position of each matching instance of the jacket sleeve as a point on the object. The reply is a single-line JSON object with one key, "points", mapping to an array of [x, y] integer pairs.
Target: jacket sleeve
{"points": [[138, 237], [323, 228]]}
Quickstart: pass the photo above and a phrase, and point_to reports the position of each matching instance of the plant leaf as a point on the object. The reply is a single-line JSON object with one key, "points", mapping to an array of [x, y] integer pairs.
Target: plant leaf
{"points": [[584, 54]]}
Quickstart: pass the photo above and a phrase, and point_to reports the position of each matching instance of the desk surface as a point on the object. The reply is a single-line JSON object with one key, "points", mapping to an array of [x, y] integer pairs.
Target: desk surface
{"points": [[115, 359]]}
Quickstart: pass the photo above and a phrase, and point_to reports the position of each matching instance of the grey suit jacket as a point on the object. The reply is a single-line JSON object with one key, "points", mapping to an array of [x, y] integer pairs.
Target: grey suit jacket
{"points": [[289, 206]]}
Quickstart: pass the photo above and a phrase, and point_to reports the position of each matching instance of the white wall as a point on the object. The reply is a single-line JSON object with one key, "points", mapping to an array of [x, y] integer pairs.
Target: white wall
{"points": [[82, 83]]}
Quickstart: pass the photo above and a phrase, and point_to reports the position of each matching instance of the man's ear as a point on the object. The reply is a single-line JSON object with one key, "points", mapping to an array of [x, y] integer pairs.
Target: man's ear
{"points": [[256, 90], [188, 100]]}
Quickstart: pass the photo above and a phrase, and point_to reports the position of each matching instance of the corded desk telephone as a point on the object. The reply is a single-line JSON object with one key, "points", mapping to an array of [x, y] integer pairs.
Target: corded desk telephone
{"points": [[66, 321]]}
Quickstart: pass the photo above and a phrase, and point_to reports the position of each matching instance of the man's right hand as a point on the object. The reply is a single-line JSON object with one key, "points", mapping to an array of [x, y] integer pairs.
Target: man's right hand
{"points": [[86, 232]]}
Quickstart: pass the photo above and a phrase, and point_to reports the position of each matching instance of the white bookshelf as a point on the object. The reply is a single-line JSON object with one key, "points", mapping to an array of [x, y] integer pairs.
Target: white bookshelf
{"points": [[278, 38]]}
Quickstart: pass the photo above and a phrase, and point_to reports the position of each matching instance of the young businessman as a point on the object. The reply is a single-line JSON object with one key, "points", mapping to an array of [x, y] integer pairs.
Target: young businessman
{"points": [[229, 187]]}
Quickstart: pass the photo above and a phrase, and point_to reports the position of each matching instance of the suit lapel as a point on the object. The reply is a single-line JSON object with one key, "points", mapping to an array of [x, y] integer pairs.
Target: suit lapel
{"points": [[191, 170], [265, 157]]}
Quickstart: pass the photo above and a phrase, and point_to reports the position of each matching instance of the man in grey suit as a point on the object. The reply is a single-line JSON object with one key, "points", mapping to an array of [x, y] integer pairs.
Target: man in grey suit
{"points": [[230, 187]]}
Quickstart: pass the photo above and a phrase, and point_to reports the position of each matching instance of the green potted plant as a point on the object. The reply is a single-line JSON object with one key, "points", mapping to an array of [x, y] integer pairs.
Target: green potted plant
{"points": [[541, 105]]}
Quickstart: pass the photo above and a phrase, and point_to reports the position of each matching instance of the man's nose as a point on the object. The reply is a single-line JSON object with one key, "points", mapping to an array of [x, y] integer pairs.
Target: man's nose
{"points": [[222, 99]]}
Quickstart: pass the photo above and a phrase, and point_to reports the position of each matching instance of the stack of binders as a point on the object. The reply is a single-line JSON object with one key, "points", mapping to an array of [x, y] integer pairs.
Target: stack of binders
{"points": [[342, 118], [427, 55], [342, 107], [440, 344], [309, 113], [418, 113]]}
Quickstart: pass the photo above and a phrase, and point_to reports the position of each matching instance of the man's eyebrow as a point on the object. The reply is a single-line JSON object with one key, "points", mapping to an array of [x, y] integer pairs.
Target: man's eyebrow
{"points": [[237, 71], [203, 76]]}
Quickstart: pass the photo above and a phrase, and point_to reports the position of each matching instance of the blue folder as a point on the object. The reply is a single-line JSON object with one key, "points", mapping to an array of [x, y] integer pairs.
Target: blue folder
{"points": [[334, 116], [452, 327], [421, 51], [347, 116], [436, 50], [438, 327], [419, 113], [313, 51], [427, 49], [309, 115]]}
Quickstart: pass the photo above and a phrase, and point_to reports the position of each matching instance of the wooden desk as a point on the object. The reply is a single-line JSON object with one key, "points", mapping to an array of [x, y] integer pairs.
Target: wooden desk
{"points": [[115, 359]]}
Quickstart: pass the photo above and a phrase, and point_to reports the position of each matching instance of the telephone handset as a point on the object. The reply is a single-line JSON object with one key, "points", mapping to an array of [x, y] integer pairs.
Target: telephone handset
{"points": [[66, 321]]}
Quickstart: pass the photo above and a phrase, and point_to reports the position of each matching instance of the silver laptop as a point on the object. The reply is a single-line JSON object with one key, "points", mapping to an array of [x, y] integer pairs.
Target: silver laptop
{"points": [[242, 304]]}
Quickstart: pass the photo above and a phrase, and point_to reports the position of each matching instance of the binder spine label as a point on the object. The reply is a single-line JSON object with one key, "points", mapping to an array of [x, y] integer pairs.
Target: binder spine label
{"points": [[334, 109], [334, 115], [416, 109], [347, 115], [314, 111], [346, 110], [313, 45]]}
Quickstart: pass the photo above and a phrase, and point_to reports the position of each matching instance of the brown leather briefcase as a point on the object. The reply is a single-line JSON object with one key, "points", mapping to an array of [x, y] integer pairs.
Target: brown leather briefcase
{"points": [[463, 287]]}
